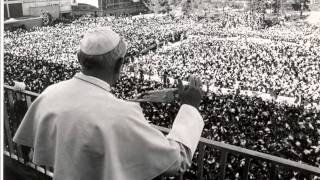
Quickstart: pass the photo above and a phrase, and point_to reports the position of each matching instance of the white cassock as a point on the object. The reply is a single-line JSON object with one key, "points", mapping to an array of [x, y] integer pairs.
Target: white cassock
{"points": [[84, 132]]}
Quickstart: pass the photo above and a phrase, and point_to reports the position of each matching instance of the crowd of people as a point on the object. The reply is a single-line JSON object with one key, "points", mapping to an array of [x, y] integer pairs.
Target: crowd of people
{"points": [[280, 130], [236, 19], [260, 65], [260, 60], [47, 47]]}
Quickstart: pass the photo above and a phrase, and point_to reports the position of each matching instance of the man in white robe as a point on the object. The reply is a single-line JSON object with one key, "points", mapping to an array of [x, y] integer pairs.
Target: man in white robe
{"points": [[84, 132]]}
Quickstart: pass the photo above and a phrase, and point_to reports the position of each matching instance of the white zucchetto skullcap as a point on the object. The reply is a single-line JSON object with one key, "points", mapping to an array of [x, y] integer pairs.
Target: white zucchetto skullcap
{"points": [[102, 40]]}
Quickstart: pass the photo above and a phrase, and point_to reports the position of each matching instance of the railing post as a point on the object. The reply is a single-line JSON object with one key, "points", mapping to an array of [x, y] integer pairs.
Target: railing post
{"points": [[223, 164], [19, 152], [45, 169], [311, 177], [200, 161], [7, 128], [302, 176], [246, 169], [273, 172], [28, 99], [13, 97], [10, 96]]}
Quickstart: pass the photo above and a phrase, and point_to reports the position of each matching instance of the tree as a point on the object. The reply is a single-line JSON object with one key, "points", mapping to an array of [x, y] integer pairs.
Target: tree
{"points": [[157, 6], [186, 6], [275, 4], [301, 5], [258, 5], [304, 5]]}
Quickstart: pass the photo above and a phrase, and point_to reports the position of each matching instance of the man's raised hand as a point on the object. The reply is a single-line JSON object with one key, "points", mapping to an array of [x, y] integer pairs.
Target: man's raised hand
{"points": [[190, 94]]}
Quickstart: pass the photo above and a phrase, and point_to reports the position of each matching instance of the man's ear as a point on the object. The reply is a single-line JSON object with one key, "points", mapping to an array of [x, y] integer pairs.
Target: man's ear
{"points": [[118, 64], [78, 56]]}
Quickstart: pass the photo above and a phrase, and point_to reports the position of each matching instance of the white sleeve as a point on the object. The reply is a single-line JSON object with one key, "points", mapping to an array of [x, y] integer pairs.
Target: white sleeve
{"points": [[185, 135], [171, 154], [187, 127], [183, 162]]}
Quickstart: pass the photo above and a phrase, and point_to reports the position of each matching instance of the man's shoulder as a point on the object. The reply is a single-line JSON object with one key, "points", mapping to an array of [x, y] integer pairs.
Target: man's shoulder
{"points": [[58, 86], [58, 91], [127, 105], [87, 97]]}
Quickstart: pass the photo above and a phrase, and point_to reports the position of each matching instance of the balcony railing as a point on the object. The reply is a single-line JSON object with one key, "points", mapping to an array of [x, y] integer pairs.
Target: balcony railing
{"points": [[13, 151]]}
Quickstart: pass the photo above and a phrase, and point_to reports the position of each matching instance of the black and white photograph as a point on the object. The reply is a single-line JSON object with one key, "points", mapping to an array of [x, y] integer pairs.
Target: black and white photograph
{"points": [[160, 89]]}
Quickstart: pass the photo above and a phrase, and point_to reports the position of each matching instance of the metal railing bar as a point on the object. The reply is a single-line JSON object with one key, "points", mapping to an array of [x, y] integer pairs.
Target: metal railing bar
{"points": [[246, 169], [10, 96], [200, 161], [6, 153], [312, 177], [7, 128], [45, 170], [223, 164], [25, 92], [220, 146], [273, 172], [28, 99], [19, 152], [5, 143], [254, 154], [261, 156], [29, 164]]}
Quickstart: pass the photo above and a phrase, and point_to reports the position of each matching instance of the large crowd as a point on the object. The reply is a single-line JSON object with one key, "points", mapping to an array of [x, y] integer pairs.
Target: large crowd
{"points": [[261, 60], [266, 66]]}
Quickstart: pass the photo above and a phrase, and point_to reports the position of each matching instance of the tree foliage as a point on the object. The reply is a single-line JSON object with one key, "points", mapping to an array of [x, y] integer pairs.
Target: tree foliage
{"points": [[259, 5], [301, 5], [157, 6]]}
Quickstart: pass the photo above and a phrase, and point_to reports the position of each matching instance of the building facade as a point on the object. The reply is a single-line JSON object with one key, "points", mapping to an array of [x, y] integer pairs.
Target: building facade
{"points": [[55, 7], [12, 9], [118, 7], [111, 7], [33, 8]]}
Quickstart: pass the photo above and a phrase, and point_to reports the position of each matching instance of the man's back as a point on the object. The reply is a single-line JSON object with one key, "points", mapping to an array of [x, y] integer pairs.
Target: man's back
{"points": [[84, 132]]}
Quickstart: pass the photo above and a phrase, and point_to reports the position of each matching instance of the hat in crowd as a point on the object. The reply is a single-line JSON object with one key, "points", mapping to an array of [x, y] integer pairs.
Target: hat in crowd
{"points": [[19, 86], [102, 40]]}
